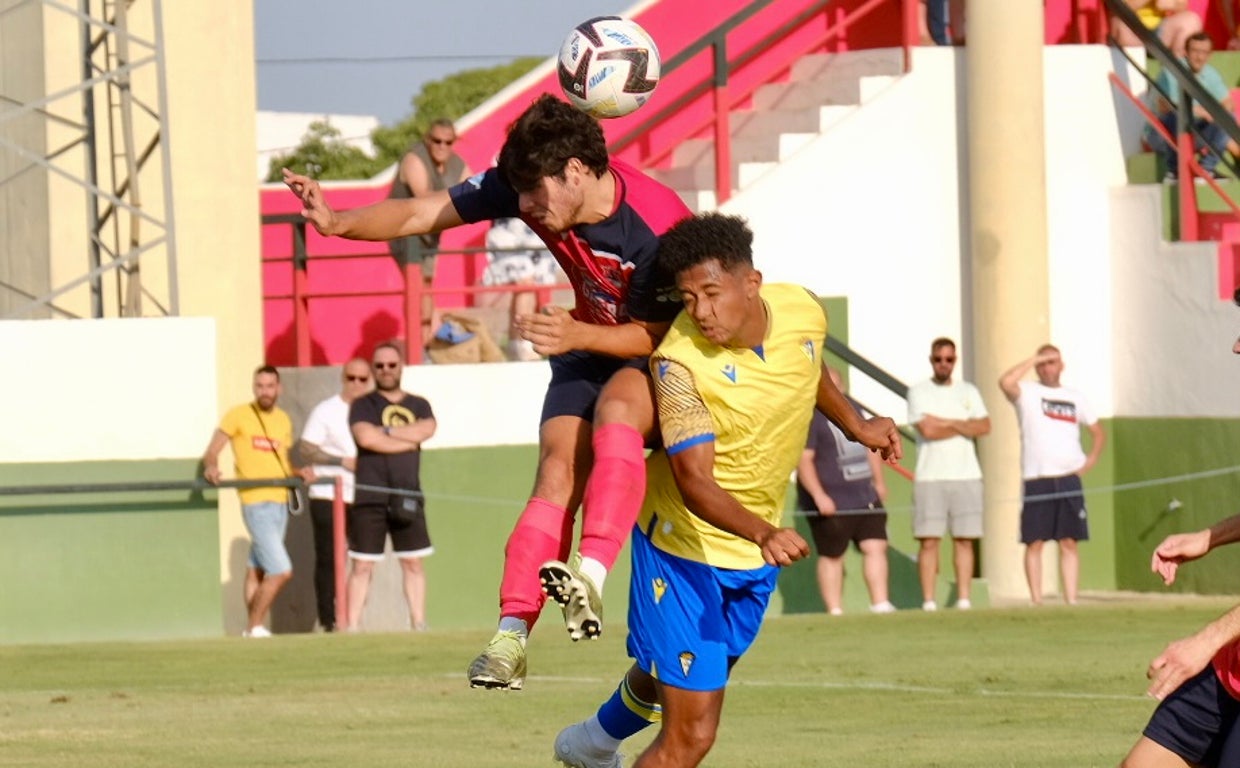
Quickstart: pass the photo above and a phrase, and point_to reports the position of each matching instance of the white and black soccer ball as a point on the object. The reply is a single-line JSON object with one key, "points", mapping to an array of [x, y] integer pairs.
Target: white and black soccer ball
{"points": [[608, 66]]}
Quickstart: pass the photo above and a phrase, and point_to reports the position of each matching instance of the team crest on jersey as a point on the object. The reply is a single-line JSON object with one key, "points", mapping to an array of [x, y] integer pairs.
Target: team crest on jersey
{"points": [[686, 661], [729, 370], [807, 346], [660, 587]]}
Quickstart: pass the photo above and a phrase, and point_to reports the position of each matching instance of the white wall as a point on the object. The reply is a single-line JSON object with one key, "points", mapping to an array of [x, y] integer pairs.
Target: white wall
{"points": [[875, 210], [483, 403], [93, 390]]}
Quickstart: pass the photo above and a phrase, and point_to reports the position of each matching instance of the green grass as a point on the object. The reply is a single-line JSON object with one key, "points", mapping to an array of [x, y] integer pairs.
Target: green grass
{"points": [[1014, 687]]}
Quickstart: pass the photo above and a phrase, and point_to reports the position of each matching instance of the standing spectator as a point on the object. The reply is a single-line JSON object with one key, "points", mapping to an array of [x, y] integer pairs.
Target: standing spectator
{"points": [[1171, 20], [947, 489], [737, 379], [1206, 132], [327, 444], [389, 426], [260, 435], [602, 220], [429, 165], [840, 484], [516, 256], [1052, 463]]}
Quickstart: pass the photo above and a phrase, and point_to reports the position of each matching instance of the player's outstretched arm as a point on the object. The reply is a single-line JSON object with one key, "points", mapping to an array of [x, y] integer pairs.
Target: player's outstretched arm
{"points": [[878, 433], [384, 220], [1188, 656], [553, 331]]}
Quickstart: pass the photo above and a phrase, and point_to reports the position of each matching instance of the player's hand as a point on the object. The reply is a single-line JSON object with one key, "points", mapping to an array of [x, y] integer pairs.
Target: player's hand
{"points": [[349, 463], [783, 546], [1176, 549], [1178, 662], [314, 207], [825, 504], [552, 331], [212, 475], [880, 434]]}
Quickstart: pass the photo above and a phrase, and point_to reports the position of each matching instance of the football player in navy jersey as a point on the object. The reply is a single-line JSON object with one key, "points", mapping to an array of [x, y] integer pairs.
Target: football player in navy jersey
{"points": [[601, 219]]}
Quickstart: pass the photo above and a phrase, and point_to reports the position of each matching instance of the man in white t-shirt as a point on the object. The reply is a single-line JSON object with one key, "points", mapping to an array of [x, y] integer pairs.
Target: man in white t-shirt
{"points": [[947, 489], [327, 444], [1052, 463]]}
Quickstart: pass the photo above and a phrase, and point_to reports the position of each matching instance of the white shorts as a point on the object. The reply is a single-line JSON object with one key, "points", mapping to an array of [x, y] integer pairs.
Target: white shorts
{"points": [[940, 505]]}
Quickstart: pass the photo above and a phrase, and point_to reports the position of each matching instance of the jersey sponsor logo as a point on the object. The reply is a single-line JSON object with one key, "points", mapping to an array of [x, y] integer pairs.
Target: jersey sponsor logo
{"points": [[262, 443], [1059, 410], [659, 586], [729, 370], [686, 660], [662, 366]]}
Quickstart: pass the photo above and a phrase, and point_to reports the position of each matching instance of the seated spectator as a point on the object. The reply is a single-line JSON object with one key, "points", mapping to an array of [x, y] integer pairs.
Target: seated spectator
{"points": [[840, 484], [1207, 134], [516, 256], [1171, 20]]}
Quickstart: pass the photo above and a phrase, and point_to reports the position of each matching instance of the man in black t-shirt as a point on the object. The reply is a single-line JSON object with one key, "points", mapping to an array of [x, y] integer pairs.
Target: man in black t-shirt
{"points": [[840, 487], [389, 426]]}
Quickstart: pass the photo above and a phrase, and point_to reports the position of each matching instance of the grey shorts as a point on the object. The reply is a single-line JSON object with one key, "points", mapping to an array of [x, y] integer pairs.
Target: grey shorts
{"points": [[943, 506]]}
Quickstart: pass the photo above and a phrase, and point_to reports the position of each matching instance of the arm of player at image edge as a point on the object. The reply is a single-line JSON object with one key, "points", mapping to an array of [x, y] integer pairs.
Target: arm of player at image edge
{"points": [[1189, 655], [385, 220]]}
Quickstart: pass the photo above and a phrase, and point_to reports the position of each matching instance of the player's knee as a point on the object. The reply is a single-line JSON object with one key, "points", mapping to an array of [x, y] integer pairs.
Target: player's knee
{"points": [[690, 741]]}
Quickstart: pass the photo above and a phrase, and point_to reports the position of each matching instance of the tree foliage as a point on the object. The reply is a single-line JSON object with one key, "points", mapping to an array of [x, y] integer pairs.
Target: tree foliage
{"points": [[324, 154]]}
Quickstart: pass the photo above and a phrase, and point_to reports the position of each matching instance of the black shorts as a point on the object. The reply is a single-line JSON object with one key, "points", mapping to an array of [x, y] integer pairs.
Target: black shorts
{"points": [[833, 532], [368, 528], [1052, 519], [577, 378], [1197, 722]]}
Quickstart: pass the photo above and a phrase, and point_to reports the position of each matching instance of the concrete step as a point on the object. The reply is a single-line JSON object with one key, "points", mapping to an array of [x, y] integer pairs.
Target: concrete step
{"points": [[853, 65], [817, 119], [806, 94], [761, 148]]}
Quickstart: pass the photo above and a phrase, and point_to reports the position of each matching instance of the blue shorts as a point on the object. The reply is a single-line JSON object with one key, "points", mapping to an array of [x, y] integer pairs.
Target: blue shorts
{"points": [[577, 378], [266, 521], [689, 622], [1197, 722], [1059, 516]]}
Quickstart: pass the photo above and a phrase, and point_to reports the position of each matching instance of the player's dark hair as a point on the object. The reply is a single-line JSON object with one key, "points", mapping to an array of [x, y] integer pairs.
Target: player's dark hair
{"points": [[544, 138], [941, 342], [1197, 37], [267, 369], [393, 345], [703, 237]]}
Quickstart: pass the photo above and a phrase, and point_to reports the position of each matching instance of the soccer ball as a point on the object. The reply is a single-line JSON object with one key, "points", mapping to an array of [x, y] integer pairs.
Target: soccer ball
{"points": [[608, 66]]}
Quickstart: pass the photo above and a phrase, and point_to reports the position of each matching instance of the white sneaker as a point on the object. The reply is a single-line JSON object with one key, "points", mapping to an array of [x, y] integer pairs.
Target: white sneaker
{"points": [[259, 631], [836, 611], [883, 607], [573, 748], [929, 605], [963, 604]]}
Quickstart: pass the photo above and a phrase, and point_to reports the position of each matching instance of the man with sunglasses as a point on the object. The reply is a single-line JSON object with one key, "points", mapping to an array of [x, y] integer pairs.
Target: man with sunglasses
{"points": [[601, 219], [327, 445], [947, 492], [429, 165], [389, 426]]}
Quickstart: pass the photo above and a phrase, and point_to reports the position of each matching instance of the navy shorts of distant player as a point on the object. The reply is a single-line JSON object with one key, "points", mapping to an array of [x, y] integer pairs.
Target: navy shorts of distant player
{"points": [[610, 264]]}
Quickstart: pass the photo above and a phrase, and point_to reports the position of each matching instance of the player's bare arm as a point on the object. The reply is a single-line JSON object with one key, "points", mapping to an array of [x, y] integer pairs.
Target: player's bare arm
{"points": [[399, 439], [1182, 548], [1009, 382], [878, 433], [553, 331], [384, 220], [693, 469], [211, 457], [1188, 656]]}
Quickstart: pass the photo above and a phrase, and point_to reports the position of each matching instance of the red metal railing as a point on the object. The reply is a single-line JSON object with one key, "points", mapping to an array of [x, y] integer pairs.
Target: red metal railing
{"points": [[725, 95]]}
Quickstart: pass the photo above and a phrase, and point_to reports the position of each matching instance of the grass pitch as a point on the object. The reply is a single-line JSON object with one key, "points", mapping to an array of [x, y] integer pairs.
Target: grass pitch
{"points": [[1014, 687]]}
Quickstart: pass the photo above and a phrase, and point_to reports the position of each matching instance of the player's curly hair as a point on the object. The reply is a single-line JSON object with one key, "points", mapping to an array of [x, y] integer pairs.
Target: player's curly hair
{"points": [[703, 237], [544, 138]]}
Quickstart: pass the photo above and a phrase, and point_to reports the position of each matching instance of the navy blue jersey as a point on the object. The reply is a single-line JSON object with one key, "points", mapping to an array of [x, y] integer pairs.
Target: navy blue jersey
{"points": [[610, 264]]}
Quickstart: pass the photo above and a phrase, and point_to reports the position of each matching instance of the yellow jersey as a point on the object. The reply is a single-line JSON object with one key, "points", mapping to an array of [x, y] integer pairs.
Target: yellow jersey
{"points": [[260, 443], [754, 404]]}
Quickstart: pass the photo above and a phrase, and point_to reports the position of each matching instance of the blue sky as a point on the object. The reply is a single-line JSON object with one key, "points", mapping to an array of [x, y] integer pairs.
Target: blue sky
{"points": [[320, 55]]}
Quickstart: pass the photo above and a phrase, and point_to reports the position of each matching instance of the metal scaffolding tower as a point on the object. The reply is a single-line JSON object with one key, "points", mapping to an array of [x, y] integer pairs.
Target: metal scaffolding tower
{"points": [[106, 134]]}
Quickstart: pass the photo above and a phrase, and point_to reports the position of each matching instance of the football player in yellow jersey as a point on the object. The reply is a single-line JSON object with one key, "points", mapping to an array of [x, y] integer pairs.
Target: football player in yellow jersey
{"points": [[736, 381]]}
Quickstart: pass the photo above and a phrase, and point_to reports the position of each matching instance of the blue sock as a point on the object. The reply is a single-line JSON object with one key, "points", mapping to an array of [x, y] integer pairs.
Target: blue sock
{"points": [[624, 714]]}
